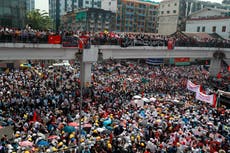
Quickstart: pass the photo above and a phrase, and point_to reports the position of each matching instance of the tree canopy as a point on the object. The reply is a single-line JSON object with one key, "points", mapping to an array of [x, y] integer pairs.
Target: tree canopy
{"points": [[37, 19]]}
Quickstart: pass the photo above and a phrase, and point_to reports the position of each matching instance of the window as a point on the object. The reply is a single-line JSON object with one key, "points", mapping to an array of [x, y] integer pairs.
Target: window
{"points": [[224, 29], [162, 12], [168, 5], [198, 29], [168, 12], [175, 4], [87, 2], [203, 29], [109, 3], [174, 11], [214, 29]]}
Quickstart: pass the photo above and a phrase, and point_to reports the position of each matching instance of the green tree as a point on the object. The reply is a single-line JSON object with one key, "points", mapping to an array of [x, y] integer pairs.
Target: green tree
{"points": [[37, 19]]}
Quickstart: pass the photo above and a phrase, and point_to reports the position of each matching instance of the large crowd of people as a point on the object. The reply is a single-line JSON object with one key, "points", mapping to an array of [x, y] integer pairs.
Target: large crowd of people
{"points": [[43, 111], [124, 39]]}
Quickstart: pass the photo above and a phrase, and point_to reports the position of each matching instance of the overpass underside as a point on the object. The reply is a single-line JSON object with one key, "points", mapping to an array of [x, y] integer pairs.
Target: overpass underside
{"points": [[20, 51], [17, 51]]}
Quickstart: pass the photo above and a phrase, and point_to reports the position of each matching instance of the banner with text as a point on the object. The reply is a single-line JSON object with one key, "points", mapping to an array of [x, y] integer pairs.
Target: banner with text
{"points": [[193, 87], [211, 99]]}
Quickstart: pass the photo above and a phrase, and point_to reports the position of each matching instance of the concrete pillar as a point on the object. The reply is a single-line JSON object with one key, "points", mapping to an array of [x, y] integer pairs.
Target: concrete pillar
{"points": [[86, 73], [88, 57], [215, 66]]}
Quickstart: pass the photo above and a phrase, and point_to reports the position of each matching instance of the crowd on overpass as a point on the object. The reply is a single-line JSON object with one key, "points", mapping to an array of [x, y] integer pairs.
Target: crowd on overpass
{"points": [[43, 109], [123, 39]]}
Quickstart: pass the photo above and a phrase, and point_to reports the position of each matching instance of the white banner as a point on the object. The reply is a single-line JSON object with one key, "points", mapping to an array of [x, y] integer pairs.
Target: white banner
{"points": [[193, 87], [205, 98]]}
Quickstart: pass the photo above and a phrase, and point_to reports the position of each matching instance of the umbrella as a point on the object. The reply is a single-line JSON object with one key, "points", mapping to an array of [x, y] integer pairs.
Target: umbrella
{"points": [[100, 129], [153, 99], [87, 126], [53, 137], [25, 143], [74, 124], [145, 99], [69, 129], [176, 101], [137, 97], [41, 135], [210, 123], [43, 143], [107, 122]]}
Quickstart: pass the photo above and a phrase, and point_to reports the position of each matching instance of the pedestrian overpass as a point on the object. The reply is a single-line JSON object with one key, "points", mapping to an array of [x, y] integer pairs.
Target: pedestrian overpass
{"points": [[22, 51]]}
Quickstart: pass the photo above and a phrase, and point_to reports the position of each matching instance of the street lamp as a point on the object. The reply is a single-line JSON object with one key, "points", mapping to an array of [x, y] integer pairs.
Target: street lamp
{"points": [[79, 55]]}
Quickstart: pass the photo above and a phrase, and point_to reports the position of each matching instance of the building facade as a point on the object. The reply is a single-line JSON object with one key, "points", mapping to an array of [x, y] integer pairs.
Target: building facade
{"points": [[168, 18], [90, 19], [30, 5], [110, 5], [12, 13], [58, 8], [136, 16], [170, 22], [210, 20]]}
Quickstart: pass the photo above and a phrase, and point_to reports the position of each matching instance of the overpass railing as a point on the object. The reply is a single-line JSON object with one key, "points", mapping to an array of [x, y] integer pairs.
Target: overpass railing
{"points": [[123, 41]]}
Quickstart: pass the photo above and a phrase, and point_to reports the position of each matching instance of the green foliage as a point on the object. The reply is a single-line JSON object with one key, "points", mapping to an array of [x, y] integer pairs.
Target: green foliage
{"points": [[37, 19]]}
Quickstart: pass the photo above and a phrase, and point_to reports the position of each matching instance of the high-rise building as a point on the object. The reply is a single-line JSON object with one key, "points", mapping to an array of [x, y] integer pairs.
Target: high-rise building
{"points": [[58, 8], [168, 18], [12, 13], [136, 16], [30, 5], [89, 19], [173, 13], [110, 5]]}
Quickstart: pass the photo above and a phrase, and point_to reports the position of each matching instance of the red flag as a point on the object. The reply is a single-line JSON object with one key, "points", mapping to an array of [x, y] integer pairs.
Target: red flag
{"points": [[84, 40], [142, 93], [219, 75], [228, 68], [80, 44], [112, 35], [35, 116], [54, 39], [201, 89], [170, 44], [214, 101], [111, 137]]}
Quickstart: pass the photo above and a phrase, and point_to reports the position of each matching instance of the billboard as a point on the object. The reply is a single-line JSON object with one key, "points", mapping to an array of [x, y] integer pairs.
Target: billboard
{"points": [[155, 61]]}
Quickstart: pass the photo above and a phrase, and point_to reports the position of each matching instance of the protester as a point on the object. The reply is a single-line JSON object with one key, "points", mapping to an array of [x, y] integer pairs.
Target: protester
{"points": [[123, 39], [43, 111]]}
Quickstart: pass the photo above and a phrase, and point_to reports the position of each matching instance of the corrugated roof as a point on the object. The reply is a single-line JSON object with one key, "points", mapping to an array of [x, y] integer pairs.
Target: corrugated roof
{"points": [[198, 35]]}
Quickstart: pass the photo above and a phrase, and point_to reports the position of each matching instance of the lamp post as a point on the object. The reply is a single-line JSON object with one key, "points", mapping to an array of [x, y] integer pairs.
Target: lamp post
{"points": [[79, 56]]}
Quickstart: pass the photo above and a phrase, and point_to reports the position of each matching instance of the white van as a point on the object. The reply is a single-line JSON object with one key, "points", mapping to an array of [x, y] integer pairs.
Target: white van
{"points": [[64, 63]]}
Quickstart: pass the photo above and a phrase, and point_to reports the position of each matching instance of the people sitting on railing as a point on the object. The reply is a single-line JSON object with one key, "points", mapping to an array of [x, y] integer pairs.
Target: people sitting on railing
{"points": [[16, 35], [123, 39]]}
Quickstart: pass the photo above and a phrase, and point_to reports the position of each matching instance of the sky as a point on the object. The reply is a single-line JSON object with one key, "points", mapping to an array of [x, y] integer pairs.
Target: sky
{"points": [[44, 4]]}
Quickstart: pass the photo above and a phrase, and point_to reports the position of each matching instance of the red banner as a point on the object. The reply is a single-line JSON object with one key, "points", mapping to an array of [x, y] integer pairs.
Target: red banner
{"points": [[177, 60], [54, 39], [170, 45], [85, 40]]}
